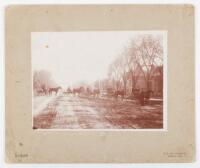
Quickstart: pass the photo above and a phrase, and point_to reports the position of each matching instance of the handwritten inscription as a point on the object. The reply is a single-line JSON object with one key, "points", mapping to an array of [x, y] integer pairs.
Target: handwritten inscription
{"points": [[21, 155], [175, 154]]}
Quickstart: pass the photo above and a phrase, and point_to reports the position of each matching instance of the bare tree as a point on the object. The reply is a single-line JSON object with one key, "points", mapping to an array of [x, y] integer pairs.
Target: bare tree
{"points": [[132, 63], [140, 58], [123, 70], [42, 80], [114, 74], [150, 53]]}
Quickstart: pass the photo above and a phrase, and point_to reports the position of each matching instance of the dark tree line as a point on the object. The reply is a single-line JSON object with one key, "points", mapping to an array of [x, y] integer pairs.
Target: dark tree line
{"points": [[42, 80], [142, 58]]}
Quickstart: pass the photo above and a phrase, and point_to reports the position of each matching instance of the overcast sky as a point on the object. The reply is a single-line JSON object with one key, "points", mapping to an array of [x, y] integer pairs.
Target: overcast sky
{"points": [[77, 56]]}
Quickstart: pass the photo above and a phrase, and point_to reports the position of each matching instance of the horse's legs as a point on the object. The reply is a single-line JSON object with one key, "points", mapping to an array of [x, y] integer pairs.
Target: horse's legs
{"points": [[116, 97]]}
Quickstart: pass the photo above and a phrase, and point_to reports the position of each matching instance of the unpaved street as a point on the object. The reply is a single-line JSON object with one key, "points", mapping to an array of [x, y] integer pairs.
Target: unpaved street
{"points": [[74, 112]]}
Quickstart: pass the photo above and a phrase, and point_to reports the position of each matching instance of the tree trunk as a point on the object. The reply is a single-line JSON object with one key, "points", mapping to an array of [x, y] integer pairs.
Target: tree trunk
{"points": [[133, 84], [148, 82], [124, 86]]}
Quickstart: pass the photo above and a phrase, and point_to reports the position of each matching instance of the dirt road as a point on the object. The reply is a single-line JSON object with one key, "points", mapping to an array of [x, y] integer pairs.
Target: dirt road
{"points": [[74, 112]]}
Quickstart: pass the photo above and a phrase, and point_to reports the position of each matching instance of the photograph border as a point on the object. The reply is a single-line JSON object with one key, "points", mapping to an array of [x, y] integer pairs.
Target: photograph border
{"points": [[165, 57], [144, 147]]}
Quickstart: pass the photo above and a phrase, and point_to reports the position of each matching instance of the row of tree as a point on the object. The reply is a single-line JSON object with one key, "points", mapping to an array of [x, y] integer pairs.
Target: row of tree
{"points": [[42, 80], [140, 59]]}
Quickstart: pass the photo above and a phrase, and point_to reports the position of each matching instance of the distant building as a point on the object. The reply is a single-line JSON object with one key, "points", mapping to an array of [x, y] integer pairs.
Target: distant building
{"points": [[155, 83]]}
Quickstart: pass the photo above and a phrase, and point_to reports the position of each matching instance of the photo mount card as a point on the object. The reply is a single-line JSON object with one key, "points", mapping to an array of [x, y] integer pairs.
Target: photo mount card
{"points": [[100, 84]]}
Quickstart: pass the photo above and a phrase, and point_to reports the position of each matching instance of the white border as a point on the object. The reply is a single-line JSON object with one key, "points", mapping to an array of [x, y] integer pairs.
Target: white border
{"points": [[165, 49], [4, 3]]}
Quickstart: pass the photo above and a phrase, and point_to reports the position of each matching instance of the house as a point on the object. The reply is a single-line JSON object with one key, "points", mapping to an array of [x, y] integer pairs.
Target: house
{"points": [[155, 83]]}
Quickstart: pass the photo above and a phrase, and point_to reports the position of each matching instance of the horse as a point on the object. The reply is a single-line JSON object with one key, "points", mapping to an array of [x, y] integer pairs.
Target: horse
{"points": [[120, 93], [76, 91], [147, 95], [68, 91], [92, 93], [109, 93], [88, 91], [56, 89], [96, 92], [45, 89], [40, 92]]}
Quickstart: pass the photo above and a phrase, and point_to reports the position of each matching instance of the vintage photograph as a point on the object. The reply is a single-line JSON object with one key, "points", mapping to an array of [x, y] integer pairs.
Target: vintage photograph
{"points": [[98, 79]]}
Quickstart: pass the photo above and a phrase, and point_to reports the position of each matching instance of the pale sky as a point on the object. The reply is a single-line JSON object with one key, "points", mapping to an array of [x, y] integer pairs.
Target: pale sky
{"points": [[77, 56]]}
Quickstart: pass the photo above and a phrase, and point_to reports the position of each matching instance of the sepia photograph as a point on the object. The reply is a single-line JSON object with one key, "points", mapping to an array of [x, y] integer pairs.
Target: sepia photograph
{"points": [[100, 83], [98, 80]]}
